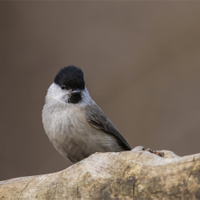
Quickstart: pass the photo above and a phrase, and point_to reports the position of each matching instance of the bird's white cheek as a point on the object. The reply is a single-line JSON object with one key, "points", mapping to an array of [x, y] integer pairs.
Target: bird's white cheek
{"points": [[61, 95], [65, 97], [86, 99], [56, 93]]}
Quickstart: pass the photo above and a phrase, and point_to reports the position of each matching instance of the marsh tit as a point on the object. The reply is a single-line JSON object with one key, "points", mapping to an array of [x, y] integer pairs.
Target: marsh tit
{"points": [[74, 123]]}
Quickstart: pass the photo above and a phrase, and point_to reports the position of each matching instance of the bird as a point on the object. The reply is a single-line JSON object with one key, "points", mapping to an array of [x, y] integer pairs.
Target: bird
{"points": [[74, 123]]}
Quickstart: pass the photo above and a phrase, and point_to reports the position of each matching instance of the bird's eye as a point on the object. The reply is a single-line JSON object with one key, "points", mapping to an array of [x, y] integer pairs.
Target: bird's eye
{"points": [[63, 87]]}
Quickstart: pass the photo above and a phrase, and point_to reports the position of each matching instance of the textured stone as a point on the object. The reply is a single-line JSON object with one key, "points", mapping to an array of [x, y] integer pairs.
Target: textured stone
{"points": [[131, 174]]}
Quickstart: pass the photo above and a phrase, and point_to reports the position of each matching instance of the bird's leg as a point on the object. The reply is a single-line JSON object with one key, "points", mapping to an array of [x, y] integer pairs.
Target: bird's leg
{"points": [[158, 153]]}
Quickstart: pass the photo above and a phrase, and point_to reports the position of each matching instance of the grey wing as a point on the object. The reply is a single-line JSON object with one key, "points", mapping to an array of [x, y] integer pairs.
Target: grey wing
{"points": [[96, 117]]}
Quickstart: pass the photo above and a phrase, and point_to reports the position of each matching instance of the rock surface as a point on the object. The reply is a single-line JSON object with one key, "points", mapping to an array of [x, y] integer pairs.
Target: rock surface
{"points": [[132, 174]]}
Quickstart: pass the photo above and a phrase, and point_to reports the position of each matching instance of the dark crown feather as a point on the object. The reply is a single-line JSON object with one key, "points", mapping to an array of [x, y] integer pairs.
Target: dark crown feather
{"points": [[71, 77]]}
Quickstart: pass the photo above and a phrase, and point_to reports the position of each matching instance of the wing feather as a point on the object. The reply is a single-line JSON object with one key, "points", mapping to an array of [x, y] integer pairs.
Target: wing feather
{"points": [[95, 116]]}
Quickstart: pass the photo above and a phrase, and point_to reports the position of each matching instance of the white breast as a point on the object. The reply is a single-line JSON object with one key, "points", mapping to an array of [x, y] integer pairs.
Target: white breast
{"points": [[70, 133]]}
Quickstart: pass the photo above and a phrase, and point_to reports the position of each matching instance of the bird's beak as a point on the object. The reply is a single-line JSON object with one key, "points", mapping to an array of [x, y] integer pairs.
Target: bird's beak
{"points": [[76, 91]]}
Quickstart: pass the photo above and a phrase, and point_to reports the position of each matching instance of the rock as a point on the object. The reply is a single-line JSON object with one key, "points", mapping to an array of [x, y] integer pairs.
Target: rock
{"points": [[130, 174]]}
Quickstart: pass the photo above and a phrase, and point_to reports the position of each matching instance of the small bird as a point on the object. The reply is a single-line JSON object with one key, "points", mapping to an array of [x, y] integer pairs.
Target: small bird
{"points": [[74, 123]]}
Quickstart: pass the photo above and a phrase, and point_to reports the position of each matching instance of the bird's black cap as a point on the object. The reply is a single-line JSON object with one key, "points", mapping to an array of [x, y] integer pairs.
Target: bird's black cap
{"points": [[71, 77]]}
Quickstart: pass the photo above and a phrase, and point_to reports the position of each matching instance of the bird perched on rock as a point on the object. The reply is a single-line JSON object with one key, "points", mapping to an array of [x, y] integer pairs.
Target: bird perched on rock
{"points": [[74, 123]]}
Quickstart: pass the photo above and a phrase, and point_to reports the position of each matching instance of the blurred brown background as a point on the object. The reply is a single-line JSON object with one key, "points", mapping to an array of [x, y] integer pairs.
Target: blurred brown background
{"points": [[141, 62]]}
